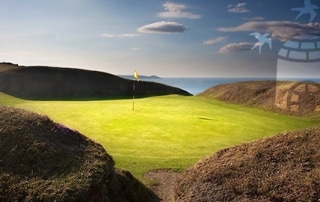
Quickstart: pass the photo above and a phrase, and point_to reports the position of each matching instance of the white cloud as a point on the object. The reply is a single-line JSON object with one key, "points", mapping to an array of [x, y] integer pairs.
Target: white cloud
{"points": [[282, 30], [215, 41], [170, 6], [176, 10], [236, 47], [163, 27], [120, 36], [239, 8]]}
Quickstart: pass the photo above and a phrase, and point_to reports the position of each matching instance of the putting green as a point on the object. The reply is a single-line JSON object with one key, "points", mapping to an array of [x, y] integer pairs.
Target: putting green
{"points": [[163, 132]]}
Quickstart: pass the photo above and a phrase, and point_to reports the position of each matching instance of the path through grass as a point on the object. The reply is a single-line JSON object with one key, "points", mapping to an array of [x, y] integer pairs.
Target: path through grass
{"points": [[163, 132]]}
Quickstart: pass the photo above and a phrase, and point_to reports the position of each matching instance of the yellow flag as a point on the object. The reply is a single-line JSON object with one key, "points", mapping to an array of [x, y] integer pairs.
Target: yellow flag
{"points": [[136, 76]]}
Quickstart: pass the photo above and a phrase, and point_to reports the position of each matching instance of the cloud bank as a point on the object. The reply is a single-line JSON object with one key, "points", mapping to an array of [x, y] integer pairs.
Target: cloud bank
{"points": [[176, 10], [163, 27], [236, 47], [282, 30]]}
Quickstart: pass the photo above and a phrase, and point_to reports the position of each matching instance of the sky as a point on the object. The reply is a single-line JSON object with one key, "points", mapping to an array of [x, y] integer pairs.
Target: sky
{"points": [[178, 38]]}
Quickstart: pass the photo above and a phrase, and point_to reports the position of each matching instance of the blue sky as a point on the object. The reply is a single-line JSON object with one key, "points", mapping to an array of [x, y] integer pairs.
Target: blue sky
{"points": [[183, 38]]}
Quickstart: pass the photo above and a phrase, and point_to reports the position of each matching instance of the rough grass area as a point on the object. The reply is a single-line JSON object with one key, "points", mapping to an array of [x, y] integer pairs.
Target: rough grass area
{"points": [[44, 161], [41, 160], [282, 168]]}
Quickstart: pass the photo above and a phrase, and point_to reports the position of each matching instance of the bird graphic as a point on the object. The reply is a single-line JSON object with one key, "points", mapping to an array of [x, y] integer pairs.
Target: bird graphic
{"points": [[307, 9], [262, 39]]}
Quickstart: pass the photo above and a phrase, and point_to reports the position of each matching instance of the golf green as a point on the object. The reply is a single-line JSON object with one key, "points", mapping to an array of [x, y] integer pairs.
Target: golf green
{"points": [[163, 132]]}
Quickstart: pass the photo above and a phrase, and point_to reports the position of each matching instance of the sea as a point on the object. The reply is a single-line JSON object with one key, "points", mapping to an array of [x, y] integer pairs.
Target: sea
{"points": [[198, 85]]}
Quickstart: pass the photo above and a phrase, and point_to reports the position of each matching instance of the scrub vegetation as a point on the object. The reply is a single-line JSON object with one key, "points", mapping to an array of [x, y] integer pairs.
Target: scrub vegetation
{"points": [[282, 168], [45, 161]]}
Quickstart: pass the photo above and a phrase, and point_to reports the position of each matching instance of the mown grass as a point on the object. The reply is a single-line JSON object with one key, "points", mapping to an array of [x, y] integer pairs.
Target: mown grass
{"points": [[163, 132]]}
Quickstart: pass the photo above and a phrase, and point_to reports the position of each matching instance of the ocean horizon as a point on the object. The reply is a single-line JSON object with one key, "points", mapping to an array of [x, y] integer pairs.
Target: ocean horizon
{"points": [[198, 84]]}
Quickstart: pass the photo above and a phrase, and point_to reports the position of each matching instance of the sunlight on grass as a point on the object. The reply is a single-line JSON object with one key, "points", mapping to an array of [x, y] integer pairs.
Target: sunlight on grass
{"points": [[163, 132]]}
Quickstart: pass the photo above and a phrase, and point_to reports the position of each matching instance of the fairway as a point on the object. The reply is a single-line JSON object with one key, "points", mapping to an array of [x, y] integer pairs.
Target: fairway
{"points": [[163, 132]]}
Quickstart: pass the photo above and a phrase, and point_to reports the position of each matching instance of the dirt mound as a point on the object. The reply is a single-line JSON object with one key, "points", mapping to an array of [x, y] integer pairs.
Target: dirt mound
{"points": [[296, 98], [164, 182], [38, 82], [44, 161], [281, 168]]}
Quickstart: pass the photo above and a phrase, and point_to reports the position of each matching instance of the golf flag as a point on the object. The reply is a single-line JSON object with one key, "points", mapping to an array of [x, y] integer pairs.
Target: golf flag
{"points": [[136, 76]]}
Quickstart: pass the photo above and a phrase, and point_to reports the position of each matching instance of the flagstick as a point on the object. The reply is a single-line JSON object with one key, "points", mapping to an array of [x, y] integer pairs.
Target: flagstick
{"points": [[133, 89], [136, 76]]}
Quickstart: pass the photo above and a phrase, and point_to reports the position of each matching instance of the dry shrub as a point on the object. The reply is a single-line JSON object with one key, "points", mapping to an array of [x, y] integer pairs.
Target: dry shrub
{"points": [[282, 168]]}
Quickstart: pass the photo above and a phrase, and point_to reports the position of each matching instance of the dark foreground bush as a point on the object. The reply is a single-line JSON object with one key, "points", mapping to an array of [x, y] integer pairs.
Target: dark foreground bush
{"points": [[44, 161], [282, 168]]}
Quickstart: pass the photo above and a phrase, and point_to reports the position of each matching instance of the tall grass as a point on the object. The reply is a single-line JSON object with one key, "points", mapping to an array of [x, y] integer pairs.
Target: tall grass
{"points": [[163, 132]]}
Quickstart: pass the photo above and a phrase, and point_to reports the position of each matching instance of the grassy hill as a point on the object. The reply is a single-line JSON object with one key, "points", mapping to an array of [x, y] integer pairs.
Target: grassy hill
{"points": [[45, 161], [51, 83], [295, 98], [281, 168]]}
